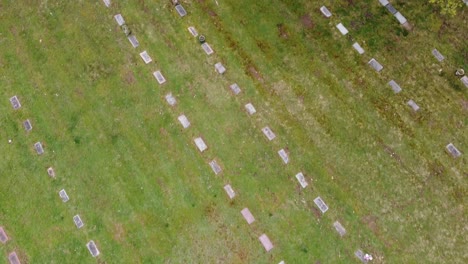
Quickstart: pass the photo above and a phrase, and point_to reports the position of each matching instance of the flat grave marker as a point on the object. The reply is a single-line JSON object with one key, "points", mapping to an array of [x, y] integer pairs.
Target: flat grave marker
{"points": [[358, 48], [184, 121], [268, 133], [453, 150], [51, 172], [170, 99], [13, 258], [200, 144], [180, 9], [63, 195], [266, 242], [207, 48], [281, 262], [321, 204], [119, 19], [250, 109], [247, 216], [93, 248], [146, 57], [107, 2], [413, 105], [464, 80], [438, 55], [193, 31], [384, 2], [78, 222], [38, 147], [215, 167], [133, 40], [27, 125], [342, 29], [360, 255], [229, 191], [391, 9], [325, 11], [3, 235], [15, 103], [375, 65], [220, 68], [395, 87], [339, 228], [235, 88], [301, 179], [159, 77], [283, 155], [400, 18]]}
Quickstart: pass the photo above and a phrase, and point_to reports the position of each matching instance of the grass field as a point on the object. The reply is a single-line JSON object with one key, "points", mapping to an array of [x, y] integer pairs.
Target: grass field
{"points": [[147, 195]]}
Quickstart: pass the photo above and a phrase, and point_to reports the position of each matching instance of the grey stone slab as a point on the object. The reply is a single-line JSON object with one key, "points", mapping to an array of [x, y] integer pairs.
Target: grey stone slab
{"points": [[250, 109], [146, 57], [133, 40], [38, 147], [301, 179], [51, 172], [93, 248], [13, 258], [413, 105], [207, 48], [215, 167], [170, 99], [325, 11], [282, 262], [119, 19], [200, 144], [220, 68], [343, 30], [181, 10], [3, 236], [453, 150], [107, 2], [283, 155], [64, 196], [391, 9], [268, 133], [339, 228], [321, 204], [384, 2], [193, 31], [464, 80], [229, 191], [247, 216], [395, 87], [437, 55], [400, 18], [266, 242], [360, 255], [78, 222], [358, 48], [15, 103], [184, 121], [375, 65], [235, 88], [159, 77], [27, 125]]}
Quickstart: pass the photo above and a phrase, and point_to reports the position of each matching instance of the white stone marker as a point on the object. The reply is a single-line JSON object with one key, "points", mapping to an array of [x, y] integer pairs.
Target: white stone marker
{"points": [[220, 68], [339, 228], [51, 172], [63, 195], [93, 248], [133, 40], [268, 133], [200, 144], [15, 103], [107, 2], [3, 236], [413, 105], [119, 19], [38, 147], [146, 58], [78, 222], [170, 99], [358, 48], [375, 65], [400, 18], [247, 216], [383, 2], [215, 167], [301, 179], [325, 11], [320, 204], [13, 258], [438, 55], [184, 121], [27, 125], [180, 9], [282, 262], [453, 150], [395, 87], [235, 88], [283, 155], [207, 48], [193, 31], [464, 80], [266, 242], [159, 77], [229, 191], [342, 29], [250, 109]]}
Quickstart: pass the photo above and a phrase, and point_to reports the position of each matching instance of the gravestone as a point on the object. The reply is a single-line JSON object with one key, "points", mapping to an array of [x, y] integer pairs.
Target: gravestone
{"points": [[146, 58], [437, 55], [107, 2], [320, 204], [15, 102], [180, 9], [51, 172], [339, 228], [63, 195], [235, 88], [284, 156], [93, 248], [250, 109], [413, 105], [395, 87], [229, 191], [268, 133], [384, 2], [200, 144], [38, 148], [184, 121], [360, 255], [453, 150], [301, 179], [375, 65], [247, 216], [27, 125], [3, 236], [220, 68], [464, 80], [119, 19], [400, 18], [193, 31], [281, 262], [133, 40], [78, 222], [342, 29], [391, 9], [206, 47], [13, 258], [325, 11], [215, 167], [266, 242], [170, 99], [159, 77], [358, 48]]}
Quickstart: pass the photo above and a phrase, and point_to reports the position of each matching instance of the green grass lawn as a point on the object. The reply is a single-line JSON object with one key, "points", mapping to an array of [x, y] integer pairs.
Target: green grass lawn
{"points": [[147, 195]]}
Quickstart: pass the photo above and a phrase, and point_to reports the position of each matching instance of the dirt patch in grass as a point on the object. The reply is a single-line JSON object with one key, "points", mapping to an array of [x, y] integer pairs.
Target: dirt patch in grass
{"points": [[316, 212], [119, 232], [129, 77], [371, 222], [307, 22], [282, 31], [252, 71]]}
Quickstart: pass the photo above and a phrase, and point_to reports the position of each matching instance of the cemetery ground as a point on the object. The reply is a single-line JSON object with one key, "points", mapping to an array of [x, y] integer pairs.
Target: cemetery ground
{"points": [[147, 195]]}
